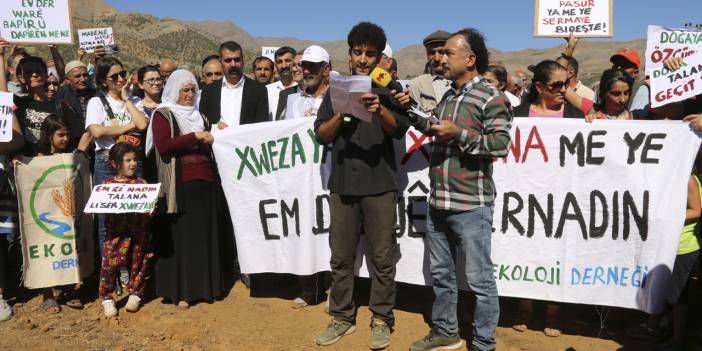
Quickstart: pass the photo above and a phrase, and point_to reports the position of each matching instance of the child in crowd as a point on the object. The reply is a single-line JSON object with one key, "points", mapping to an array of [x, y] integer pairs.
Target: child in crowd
{"points": [[55, 138], [126, 236]]}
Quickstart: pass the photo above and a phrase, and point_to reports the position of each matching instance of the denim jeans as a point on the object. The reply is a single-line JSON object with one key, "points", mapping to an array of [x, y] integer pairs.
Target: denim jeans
{"points": [[467, 233]]}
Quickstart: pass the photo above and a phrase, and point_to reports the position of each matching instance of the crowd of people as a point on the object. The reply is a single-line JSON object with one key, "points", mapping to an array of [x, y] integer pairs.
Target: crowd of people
{"points": [[152, 124]]}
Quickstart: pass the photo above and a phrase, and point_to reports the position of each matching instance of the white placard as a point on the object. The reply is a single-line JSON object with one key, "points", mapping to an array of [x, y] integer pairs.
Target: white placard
{"points": [[584, 18], [664, 43], [575, 220], [123, 198], [90, 38], [269, 51], [36, 21], [346, 92], [6, 104]]}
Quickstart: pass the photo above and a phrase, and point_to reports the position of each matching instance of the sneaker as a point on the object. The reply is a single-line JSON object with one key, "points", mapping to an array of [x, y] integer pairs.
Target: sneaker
{"points": [[5, 310], [109, 307], [335, 330], [435, 342], [380, 335], [133, 303]]}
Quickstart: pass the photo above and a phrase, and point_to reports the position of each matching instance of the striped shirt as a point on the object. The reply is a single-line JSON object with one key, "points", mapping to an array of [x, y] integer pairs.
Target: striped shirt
{"points": [[461, 170]]}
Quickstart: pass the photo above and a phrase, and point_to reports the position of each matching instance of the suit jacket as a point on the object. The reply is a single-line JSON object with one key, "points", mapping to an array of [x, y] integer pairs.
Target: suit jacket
{"points": [[254, 102], [283, 101]]}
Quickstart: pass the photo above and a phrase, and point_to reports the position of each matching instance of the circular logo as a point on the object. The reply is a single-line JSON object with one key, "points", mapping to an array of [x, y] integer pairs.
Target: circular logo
{"points": [[53, 227]]}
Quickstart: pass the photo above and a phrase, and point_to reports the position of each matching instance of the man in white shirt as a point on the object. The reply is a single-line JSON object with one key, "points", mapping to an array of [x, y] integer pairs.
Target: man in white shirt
{"points": [[284, 58], [238, 99], [316, 67]]}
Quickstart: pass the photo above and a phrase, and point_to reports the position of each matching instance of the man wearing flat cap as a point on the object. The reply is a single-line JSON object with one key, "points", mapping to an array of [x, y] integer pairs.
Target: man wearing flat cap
{"points": [[428, 89]]}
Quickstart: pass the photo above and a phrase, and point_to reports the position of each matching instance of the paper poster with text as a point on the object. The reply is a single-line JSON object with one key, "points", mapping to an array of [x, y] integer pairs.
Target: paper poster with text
{"points": [[6, 108], [89, 39], [36, 21], [123, 198], [672, 86], [583, 18]]}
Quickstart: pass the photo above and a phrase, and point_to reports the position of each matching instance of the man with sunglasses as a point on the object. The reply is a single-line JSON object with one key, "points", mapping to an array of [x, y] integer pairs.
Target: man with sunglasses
{"points": [[238, 99], [211, 69]]}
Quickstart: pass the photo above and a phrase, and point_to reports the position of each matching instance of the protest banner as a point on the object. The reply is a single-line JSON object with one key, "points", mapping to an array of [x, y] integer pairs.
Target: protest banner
{"points": [[583, 18], [36, 21], [89, 39], [123, 198], [574, 219], [57, 236], [6, 104], [269, 51], [672, 86]]}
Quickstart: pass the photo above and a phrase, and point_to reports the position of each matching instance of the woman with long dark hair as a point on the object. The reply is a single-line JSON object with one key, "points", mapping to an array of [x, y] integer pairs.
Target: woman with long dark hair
{"points": [[614, 95], [546, 97]]}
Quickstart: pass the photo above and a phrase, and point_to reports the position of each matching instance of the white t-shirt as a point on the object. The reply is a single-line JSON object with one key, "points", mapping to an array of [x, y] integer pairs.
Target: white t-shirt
{"points": [[96, 114], [302, 106]]}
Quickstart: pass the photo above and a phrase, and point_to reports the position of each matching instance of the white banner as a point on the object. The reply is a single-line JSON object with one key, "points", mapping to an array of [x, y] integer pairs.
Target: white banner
{"points": [[584, 18], [664, 43], [586, 212], [123, 198], [36, 21], [89, 39]]}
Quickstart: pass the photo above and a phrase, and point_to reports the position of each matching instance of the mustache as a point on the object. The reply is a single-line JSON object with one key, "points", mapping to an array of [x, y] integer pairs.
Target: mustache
{"points": [[234, 71]]}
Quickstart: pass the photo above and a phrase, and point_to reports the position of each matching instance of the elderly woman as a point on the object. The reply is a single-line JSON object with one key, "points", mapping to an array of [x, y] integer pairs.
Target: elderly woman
{"points": [[194, 249]]}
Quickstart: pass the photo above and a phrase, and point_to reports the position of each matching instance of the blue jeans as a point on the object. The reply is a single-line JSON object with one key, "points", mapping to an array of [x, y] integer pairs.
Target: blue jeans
{"points": [[470, 232]]}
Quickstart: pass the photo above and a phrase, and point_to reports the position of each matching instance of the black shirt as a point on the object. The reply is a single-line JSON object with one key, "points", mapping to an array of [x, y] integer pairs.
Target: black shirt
{"points": [[363, 156]]}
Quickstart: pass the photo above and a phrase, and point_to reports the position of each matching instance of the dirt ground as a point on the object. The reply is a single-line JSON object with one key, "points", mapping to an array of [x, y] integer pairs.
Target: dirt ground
{"points": [[242, 322]]}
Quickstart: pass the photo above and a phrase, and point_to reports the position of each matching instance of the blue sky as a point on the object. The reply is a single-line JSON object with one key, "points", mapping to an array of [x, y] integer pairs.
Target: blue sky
{"points": [[507, 25]]}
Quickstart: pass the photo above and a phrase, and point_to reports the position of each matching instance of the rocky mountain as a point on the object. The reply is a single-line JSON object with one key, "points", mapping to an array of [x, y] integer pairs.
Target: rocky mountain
{"points": [[143, 39]]}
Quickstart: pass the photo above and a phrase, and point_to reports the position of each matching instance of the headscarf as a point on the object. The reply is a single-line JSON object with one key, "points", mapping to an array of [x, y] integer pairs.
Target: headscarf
{"points": [[188, 118]]}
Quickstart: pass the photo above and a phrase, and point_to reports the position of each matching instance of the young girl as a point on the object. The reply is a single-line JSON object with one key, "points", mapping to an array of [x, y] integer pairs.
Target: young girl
{"points": [[125, 234]]}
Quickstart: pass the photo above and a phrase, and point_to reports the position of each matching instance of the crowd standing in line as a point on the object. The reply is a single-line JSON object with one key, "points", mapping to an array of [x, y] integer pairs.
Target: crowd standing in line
{"points": [[152, 124]]}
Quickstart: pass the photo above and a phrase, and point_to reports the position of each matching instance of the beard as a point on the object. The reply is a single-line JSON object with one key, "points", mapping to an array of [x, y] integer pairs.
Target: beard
{"points": [[285, 72]]}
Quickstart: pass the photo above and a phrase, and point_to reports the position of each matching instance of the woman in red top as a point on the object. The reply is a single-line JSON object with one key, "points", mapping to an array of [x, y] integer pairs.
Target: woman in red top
{"points": [[194, 249]]}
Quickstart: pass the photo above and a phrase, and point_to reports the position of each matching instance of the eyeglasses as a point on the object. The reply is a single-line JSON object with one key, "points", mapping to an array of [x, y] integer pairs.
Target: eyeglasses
{"points": [[113, 77], [210, 74], [556, 86], [230, 59], [153, 81]]}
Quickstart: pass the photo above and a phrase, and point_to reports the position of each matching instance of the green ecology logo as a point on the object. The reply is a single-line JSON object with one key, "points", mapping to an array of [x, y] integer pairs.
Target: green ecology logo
{"points": [[65, 202]]}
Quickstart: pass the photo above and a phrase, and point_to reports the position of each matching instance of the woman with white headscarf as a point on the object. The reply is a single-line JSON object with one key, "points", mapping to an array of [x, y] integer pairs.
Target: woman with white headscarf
{"points": [[193, 247]]}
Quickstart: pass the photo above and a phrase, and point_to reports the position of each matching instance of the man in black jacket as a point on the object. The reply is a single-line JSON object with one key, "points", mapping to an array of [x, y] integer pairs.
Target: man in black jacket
{"points": [[238, 99]]}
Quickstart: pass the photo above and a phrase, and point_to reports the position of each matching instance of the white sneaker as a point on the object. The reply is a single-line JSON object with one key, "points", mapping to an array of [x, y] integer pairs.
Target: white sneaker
{"points": [[5, 310], [109, 307], [133, 303]]}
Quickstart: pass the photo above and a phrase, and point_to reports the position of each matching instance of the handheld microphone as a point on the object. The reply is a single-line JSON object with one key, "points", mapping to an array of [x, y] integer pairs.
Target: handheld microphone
{"points": [[384, 79]]}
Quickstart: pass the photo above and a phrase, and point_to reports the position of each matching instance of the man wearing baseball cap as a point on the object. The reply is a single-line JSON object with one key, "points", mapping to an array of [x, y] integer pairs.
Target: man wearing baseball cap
{"points": [[305, 98], [427, 89], [628, 60]]}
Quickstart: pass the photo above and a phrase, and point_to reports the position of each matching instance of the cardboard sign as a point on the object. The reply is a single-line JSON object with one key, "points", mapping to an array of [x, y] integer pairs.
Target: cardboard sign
{"points": [[123, 198], [88, 39], [36, 21], [6, 103], [673, 86], [584, 18], [57, 236], [269, 51]]}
